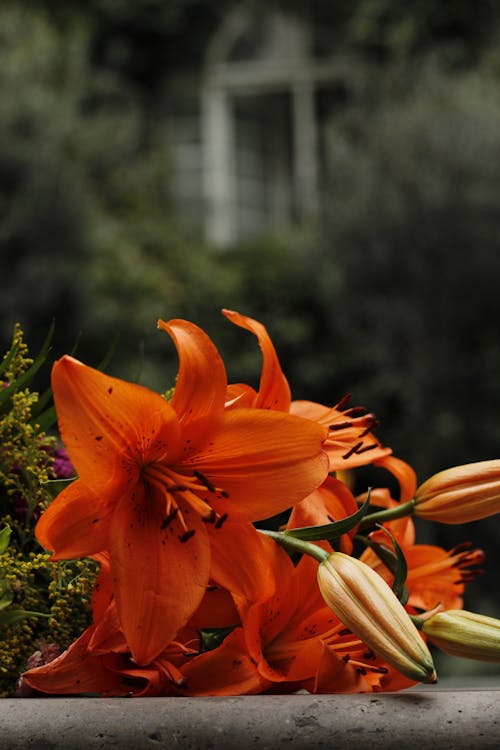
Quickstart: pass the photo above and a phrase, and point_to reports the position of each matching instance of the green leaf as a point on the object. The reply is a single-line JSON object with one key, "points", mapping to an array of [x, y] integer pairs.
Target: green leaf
{"points": [[4, 538], [109, 354], [10, 616], [6, 597], [331, 531], [213, 637], [55, 486], [42, 402], [46, 420], [395, 562]]}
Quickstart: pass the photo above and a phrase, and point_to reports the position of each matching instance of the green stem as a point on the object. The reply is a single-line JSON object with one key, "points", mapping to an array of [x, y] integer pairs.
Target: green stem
{"points": [[389, 514], [307, 548]]}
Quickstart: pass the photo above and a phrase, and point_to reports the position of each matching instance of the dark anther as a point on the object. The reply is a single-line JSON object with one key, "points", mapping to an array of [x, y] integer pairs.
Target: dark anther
{"points": [[460, 548], [361, 670], [345, 631], [209, 517], [179, 681], [177, 488], [220, 521], [224, 494], [187, 535], [169, 518], [354, 449], [339, 426], [346, 658], [203, 479], [343, 402], [367, 448], [355, 411], [372, 424]]}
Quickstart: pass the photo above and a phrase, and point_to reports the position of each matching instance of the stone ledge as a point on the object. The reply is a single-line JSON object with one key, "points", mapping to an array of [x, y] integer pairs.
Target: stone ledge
{"points": [[441, 720]]}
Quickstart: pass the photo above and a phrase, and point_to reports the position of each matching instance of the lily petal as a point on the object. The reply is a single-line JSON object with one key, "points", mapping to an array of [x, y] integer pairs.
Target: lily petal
{"points": [[76, 523], [264, 564], [107, 424], [76, 671], [274, 390], [403, 472], [160, 573], [332, 501], [201, 382], [226, 670], [265, 460]]}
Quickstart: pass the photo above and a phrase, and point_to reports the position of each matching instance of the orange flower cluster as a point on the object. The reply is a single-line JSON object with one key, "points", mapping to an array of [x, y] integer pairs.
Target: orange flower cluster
{"points": [[193, 599]]}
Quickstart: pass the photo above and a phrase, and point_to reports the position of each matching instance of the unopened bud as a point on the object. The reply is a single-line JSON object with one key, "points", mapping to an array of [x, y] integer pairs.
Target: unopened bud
{"points": [[365, 603], [466, 634], [461, 494]]}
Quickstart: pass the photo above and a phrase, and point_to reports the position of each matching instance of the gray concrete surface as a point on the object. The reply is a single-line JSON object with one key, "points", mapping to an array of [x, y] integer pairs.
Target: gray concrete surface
{"points": [[455, 720]]}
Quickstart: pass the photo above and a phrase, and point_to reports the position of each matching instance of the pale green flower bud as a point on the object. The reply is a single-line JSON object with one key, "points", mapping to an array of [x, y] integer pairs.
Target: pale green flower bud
{"points": [[466, 634], [364, 602]]}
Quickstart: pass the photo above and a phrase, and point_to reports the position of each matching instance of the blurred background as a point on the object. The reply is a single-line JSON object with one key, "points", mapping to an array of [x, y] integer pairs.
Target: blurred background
{"points": [[330, 168]]}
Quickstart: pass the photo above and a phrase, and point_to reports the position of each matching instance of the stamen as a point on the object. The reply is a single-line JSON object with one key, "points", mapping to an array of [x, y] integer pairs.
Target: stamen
{"points": [[210, 517], [354, 449], [220, 521], [364, 668], [172, 673], [204, 480], [343, 402], [170, 517], [187, 535], [372, 423], [367, 448], [355, 411], [340, 426]]}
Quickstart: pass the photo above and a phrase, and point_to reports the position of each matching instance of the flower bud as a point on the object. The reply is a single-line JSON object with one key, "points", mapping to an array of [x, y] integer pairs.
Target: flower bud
{"points": [[365, 603], [466, 634], [461, 494]]}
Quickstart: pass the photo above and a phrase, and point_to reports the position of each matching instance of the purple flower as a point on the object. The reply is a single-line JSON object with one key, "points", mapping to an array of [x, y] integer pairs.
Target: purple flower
{"points": [[62, 467]]}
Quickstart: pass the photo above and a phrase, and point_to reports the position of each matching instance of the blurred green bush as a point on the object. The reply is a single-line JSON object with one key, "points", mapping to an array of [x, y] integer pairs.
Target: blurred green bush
{"points": [[393, 295]]}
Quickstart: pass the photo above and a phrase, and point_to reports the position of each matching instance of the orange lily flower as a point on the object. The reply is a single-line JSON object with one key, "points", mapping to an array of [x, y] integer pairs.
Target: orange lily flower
{"points": [[332, 501], [435, 575], [350, 442], [293, 639], [157, 480], [99, 661]]}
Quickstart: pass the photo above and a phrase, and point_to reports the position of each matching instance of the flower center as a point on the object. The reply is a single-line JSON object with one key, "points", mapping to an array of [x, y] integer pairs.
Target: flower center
{"points": [[179, 490]]}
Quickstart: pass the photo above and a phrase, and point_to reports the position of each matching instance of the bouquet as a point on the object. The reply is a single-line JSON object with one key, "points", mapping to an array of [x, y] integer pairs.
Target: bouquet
{"points": [[210, 541]]}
